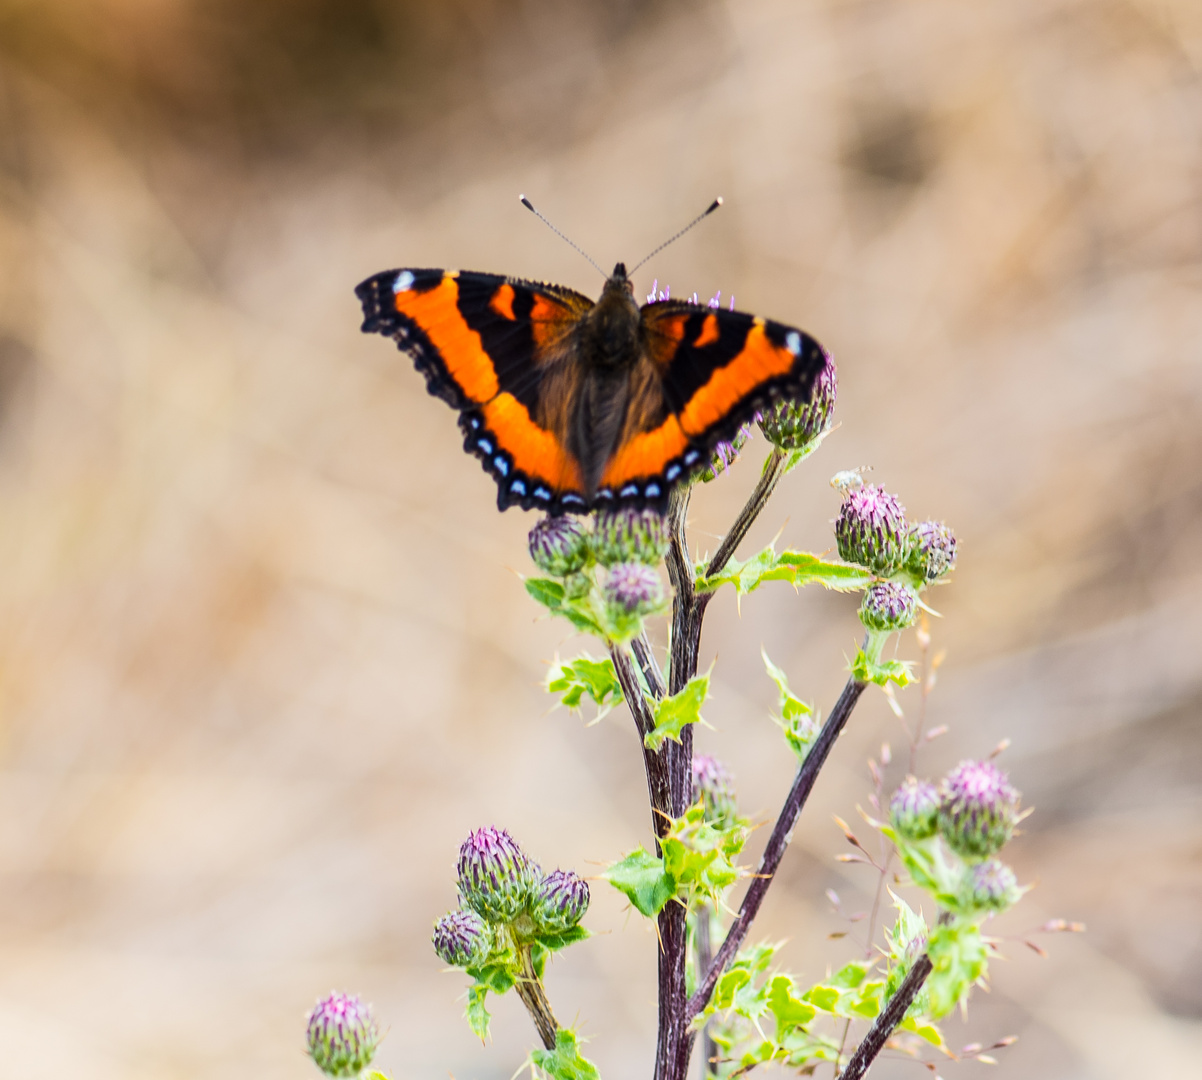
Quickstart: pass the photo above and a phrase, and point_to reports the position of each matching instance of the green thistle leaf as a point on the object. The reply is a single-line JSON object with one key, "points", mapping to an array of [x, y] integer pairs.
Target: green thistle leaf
{"points": [[957, 954], [675, 712], [642, 878], [564, 1062], [586, 677], [797, 567]]}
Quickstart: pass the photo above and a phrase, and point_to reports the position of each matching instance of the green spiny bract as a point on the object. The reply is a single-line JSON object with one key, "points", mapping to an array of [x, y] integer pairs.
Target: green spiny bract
{"points": [[624, 536], [871, 529], [888, 605], [914, 809], [342, 1035], [462, 938], [977, 809], [559, 902], [496, 878], [793, 425]]}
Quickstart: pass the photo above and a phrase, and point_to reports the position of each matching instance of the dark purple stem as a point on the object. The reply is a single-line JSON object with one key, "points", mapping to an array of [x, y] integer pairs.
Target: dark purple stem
{"points": [[782, 832], [885, 1023]]}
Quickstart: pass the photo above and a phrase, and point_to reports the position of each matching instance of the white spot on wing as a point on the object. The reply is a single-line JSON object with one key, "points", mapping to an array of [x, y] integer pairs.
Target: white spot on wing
{"points": [[403, 283], [793, 342]]}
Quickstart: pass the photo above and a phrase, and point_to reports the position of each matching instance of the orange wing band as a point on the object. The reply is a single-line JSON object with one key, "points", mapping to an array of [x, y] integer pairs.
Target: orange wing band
{"points": [[534, 449], [646, 455], [436, 311], [757, 362]]}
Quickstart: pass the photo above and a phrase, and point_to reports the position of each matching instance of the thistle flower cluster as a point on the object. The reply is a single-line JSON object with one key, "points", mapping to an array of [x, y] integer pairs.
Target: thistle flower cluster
{"points": [[342, 1035], [871, 530], [974, 810], [504, 894]]}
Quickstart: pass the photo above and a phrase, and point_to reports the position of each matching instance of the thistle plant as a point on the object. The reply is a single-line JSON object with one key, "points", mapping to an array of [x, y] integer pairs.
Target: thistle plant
{"points": [[724, 996]]}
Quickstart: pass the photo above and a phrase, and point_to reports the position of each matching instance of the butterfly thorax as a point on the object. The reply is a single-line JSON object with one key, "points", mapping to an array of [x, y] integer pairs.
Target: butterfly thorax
{"points": [[609, 346]]}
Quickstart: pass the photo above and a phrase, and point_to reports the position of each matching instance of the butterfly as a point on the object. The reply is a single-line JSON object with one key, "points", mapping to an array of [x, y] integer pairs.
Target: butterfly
{"points": [[574, 405]]}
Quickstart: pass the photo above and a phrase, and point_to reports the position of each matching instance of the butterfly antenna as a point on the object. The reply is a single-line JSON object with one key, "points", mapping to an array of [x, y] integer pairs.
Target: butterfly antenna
{"points": [[530, 206], [672, 239]]}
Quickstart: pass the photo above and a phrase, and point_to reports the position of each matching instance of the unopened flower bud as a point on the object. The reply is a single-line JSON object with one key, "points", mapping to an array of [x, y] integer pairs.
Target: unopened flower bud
{"points": [[977, 809], [914, 809], [633, 589], [871, 529], [932, 550], [725, 454], [462, 938], [560, 901], [559, 546], [342, 1035], [793, 425], [888, 605], [991, 884], [622, 536], [496, 877], [715, 787]]}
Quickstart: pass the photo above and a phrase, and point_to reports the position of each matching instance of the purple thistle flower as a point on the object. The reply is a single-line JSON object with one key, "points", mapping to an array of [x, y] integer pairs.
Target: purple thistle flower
{"points": [[977, 809], [560, 901], [793, 425], [992, 884], [559, 546], [715, 787], [462, 939], [342, 1035], [633, 589], [888, 605], [914, 809], [932, 549], [627, 535], [496, 876], [871, 529]]}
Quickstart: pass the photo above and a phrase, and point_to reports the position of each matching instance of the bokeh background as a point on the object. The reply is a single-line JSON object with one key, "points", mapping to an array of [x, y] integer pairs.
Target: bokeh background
{"points": [[264, 656]]}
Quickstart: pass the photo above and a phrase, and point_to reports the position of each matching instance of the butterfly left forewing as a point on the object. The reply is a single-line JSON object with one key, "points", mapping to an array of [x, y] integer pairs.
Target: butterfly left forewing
{"points": [[496, 349]]}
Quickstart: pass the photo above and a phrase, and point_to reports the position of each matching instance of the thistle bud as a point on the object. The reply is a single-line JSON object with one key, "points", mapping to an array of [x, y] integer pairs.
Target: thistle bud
{"points": [[715, 787], [633, 589], [462, 938], [991, 884], [888, 605], [496, 877], [977, 809], [932, 550], [871, 529], [559, 546], [560, 901], [793, 425], [342, 1035], [622, 536], [914, 809], [725, 454]]}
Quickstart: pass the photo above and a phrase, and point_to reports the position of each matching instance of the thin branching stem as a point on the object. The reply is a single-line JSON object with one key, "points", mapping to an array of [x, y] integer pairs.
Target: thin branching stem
{"points": [[530, 989], [888, 1019]]}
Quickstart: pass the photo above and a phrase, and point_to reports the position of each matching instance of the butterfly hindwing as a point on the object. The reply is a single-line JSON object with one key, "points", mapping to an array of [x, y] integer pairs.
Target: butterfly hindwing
{"points": [[716, 370], [499, 350]]}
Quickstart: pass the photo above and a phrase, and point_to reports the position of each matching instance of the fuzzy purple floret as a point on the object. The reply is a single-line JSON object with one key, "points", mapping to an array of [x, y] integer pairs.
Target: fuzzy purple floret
{"points": [[871, 529], [633, 588], [495, 876], [977, 809], [628, 535], [342, 1035], [888, 605]]}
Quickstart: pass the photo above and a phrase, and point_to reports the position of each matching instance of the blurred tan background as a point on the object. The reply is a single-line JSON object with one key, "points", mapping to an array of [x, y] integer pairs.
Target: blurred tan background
{"points": [[263, 661]]}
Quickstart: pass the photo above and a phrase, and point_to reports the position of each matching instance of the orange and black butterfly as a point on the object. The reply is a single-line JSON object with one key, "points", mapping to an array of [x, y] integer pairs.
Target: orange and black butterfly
{"points": [[573, 405]]}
